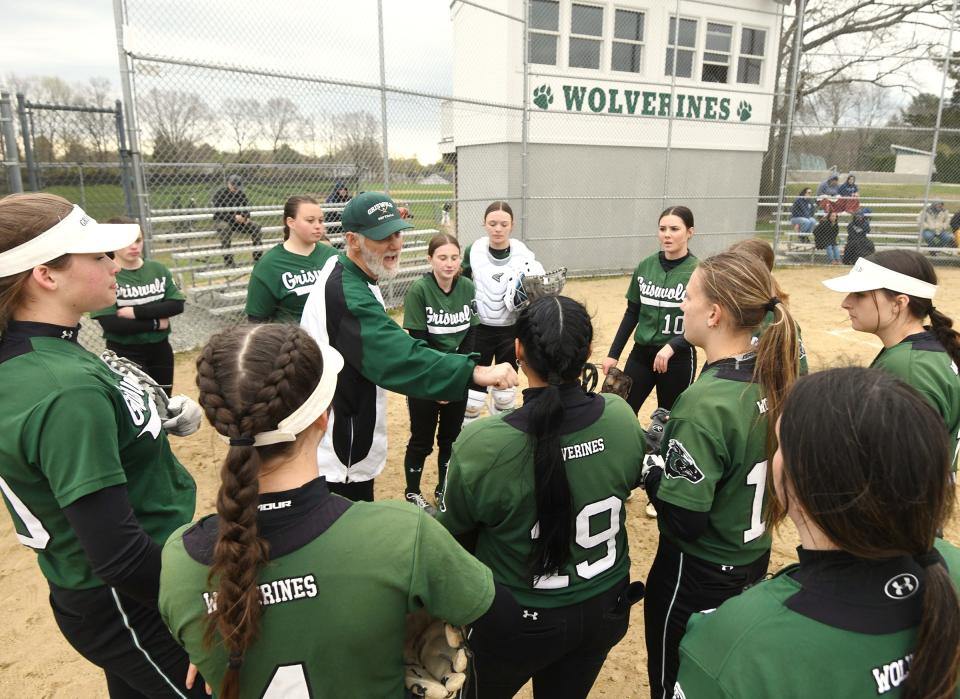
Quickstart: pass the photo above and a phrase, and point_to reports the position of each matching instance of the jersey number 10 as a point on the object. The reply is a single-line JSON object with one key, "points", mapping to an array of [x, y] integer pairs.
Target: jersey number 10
{"points": [[673, 324]]}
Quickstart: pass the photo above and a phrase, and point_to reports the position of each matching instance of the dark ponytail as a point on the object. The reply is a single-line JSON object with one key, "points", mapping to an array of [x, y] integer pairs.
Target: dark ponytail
{"points": [[247, 385], [290, 210], [555, 333]]}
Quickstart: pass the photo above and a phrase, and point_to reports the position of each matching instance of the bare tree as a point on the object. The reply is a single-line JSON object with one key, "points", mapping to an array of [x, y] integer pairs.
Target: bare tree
{"points": [[243, 117], [279, 119], [354, 137], [99, 129], [176, 120]]}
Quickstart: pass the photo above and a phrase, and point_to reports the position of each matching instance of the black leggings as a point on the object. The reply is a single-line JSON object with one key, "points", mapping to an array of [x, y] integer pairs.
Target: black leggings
{"points": [[562, 649], [678, 586], [679, 374], [155, 358], [128, 640], [428, 417], [495, 344]]}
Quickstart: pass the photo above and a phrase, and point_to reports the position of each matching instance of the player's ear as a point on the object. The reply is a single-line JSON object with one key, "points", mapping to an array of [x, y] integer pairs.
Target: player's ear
{"points": [[715, 315], [518, 349], [41, 275], [323, 421]]}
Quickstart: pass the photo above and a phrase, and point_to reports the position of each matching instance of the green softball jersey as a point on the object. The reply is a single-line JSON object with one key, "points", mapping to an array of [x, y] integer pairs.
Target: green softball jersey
{"points": [[445, 316], [281, 281], [921, 361], [832, 626], [715, 461], [137, 287], [341, 578], [69, 427], [490, 490], [659, 293]]}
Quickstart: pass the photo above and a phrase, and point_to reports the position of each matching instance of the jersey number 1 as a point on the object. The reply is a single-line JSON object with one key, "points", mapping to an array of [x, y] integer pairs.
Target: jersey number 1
{"points": [[758, 479], [37, 536], [608, 536]]}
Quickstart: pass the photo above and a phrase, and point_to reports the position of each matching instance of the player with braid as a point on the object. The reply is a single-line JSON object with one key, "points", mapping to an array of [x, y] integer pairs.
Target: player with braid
{"points": [[439, 309], [890, 293], [872, 608], [290, 590], [538, 494], [708, 484], [86, 471], [282, 278]]}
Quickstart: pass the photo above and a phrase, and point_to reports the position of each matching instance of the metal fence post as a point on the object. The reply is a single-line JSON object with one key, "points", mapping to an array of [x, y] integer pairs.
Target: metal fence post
{"points": [[27, 136], [383, 101], [525, 123], [11, 156], [673, 97], [794, 74], [124, 156]]}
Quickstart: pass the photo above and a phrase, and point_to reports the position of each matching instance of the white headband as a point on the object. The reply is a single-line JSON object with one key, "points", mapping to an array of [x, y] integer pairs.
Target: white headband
{"points": [[76, 233], [311, 409], [867, 276]]}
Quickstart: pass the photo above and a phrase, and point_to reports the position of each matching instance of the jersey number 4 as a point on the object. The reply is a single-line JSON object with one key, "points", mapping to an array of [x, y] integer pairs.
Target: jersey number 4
{"points": [[610, 507], [36, 537]]}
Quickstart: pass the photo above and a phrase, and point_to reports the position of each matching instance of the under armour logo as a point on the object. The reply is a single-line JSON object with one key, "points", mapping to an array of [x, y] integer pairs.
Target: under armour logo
{"points": [[66, 335], [901, 586], [527, 614]]}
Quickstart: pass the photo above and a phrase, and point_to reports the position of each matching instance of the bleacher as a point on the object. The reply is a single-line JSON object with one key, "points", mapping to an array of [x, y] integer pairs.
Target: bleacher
{"points": [[187, 242], [891, 227]]}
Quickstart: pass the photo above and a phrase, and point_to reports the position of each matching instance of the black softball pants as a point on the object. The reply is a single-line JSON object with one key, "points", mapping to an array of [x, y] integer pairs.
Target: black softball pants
{"points": [[128, 640], [494, 343], [155, 358], [681, 369], [562, 649], [428, 417], [678, 586]]}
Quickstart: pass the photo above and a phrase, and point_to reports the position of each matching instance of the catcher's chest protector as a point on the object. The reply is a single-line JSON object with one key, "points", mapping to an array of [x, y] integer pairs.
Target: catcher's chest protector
{"points": [[490, 278]]}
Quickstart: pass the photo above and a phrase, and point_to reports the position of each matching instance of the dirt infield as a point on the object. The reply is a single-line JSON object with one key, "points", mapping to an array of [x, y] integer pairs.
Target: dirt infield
{"points": [[35, 660]]}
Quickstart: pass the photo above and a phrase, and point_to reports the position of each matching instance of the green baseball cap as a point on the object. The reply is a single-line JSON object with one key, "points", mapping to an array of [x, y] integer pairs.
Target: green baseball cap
{"points": [[373, 215]]}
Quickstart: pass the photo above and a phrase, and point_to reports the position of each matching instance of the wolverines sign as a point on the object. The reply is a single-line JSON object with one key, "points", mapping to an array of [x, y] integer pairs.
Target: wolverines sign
{"points": [[612, 100]]}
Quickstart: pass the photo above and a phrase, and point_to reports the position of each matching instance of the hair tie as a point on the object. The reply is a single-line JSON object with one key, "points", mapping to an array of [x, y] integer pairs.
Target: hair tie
{"points": [[235, 661], [772, 303], [554, 379], [241, 441], [932, 310], [930, 558]]}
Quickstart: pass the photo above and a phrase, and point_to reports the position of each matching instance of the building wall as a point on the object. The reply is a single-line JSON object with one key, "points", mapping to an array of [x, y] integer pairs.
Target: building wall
{"points": [[912, 164]]}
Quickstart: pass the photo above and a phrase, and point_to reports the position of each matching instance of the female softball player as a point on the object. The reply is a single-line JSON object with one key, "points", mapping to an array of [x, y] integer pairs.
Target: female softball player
{"points": [[489, 263], [290, 590], [86, 473], [282, 278], [710, 485], [872, 607], [438, 309], [539, 495], [660, 357], [889, 294], [137, 326]]}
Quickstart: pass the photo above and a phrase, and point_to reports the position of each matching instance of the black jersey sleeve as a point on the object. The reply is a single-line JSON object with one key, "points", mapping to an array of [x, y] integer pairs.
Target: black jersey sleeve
{"points": [[116, 325], [687, 525], [159, 309], [420, 335], [469, 341], [630, 318], [499, 622], [120, 551], [679, 344]]}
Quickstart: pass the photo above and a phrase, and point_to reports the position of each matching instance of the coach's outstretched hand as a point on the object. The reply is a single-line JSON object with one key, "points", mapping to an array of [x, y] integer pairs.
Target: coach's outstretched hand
{"points": [[499, 376], [183, 416]]}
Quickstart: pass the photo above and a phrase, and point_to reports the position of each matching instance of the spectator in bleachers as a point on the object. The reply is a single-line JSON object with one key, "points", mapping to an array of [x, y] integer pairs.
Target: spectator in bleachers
{"points": [[849, 195], [825, 237], [828, 192], [955, 226], [801, 214], [935, 226], [236, 217], [858, 240], [339, 195]]}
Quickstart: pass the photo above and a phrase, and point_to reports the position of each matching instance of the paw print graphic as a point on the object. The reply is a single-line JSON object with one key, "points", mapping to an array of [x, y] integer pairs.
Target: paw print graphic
{"points": [[744, 110], [543, 96]]}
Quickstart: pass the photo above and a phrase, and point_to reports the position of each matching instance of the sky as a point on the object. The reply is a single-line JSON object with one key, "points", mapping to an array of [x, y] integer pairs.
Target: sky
{"points": [[76, 41]]}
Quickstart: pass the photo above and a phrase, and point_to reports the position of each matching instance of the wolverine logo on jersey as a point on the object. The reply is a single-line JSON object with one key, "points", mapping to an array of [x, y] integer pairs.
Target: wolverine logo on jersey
{"points": [[679, 464]]}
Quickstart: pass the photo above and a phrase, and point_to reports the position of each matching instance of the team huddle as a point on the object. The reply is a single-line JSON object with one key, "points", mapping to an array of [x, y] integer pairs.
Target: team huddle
{"points": [[517, 569]]}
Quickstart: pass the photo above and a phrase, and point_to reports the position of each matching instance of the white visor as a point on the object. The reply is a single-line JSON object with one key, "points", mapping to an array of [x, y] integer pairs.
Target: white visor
{"points": [[77, 233], [311, 409], [867, 276]]}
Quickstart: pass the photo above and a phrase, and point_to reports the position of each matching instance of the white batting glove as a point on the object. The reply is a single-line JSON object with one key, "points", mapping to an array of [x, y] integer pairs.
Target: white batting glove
{"points": [[650, 462], [184, 416]]}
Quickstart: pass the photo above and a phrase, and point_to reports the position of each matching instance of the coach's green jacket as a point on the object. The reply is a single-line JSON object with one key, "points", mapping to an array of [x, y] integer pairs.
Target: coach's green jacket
{"points": [[345, 308]]}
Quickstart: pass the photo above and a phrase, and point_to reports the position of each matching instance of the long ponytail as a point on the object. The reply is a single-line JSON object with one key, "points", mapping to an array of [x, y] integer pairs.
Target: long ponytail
{"points": [[555, 333]]}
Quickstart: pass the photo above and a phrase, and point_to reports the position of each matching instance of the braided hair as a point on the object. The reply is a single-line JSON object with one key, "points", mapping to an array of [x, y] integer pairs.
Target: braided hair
{"points": [[555, 333], [250, 378]]}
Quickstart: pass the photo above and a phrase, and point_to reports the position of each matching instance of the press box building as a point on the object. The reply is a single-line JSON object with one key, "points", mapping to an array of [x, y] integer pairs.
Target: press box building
{"points": [[613, 86]]}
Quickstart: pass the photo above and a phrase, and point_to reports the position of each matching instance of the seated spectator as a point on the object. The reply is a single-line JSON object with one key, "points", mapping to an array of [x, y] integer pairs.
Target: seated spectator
{"points": [[825, 237], [849, 195], [338, 197], [235, 218], [801, 214], [955, 226], [828, 191], [935, 226], [858, 243]]}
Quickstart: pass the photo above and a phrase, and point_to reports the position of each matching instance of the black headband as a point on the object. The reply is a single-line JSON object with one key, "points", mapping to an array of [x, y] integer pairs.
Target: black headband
{"points": [[241, 441], [930, 558]]}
